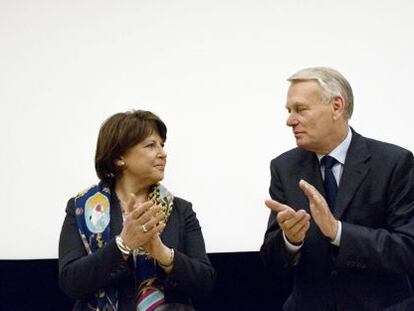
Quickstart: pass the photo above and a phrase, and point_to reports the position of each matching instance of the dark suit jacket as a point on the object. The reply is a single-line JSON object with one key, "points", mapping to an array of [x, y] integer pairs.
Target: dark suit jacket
{"points": [[375, 203], [80, 276]]}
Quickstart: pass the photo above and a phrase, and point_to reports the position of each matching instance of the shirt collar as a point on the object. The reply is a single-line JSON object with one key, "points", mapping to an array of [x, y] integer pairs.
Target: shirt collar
{"points": [[339, 153]]}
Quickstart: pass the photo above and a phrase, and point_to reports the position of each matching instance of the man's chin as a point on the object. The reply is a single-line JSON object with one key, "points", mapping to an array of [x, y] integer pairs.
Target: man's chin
{"points": [[300, 143], [303, 144]]}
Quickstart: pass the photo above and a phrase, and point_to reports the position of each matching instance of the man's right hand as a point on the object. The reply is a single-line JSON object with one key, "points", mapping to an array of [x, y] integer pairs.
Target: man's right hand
{"points": [[293, 223]]}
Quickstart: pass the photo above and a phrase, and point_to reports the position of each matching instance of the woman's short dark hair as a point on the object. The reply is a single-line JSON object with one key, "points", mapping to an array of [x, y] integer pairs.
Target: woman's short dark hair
{"points": [[118, 134]]}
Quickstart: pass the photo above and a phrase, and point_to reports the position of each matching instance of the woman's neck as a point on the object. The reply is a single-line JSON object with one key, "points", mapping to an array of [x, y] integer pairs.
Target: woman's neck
{"points": [[124, 187]]}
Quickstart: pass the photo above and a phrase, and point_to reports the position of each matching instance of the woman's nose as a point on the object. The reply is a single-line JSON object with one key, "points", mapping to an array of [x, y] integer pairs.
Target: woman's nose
{"points": [[162, 152]]}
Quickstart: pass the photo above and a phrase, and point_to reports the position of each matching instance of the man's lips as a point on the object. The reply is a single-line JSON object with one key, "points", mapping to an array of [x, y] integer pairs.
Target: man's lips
{"points": [[297, 133]]}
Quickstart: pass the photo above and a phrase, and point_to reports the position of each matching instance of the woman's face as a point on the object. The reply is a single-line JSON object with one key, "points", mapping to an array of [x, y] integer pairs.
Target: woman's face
{"points": [[146, 160]]}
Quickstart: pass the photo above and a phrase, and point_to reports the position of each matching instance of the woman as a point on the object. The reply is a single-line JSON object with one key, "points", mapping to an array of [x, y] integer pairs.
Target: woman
{"points": [[128, 243]]}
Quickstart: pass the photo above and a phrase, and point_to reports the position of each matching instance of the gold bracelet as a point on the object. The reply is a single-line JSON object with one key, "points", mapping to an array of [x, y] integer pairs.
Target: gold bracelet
{"points": [[169, 265], [141, 251], [122, 246]]}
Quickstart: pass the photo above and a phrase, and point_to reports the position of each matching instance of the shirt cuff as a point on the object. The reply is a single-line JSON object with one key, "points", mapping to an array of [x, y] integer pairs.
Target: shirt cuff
{"points": [[337, 239], [290, 247]]}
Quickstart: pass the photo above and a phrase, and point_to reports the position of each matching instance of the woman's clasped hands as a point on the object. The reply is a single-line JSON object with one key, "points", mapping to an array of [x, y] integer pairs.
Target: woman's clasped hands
{"points": [[142, 223]]}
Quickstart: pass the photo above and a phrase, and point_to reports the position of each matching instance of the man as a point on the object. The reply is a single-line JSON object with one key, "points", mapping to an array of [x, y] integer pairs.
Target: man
{"points": [[343, 224]]}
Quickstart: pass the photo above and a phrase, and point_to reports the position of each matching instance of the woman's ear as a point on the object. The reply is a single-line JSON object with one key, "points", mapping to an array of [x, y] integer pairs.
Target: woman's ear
{"points": [[119, 162]]}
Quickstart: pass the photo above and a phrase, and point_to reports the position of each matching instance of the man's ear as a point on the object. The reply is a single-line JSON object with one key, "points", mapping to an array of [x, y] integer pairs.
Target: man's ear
{"points": [[338, 107]]}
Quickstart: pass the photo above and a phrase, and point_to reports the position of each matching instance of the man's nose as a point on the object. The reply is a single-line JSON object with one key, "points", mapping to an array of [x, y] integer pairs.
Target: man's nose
{"points": [[291, 120]]}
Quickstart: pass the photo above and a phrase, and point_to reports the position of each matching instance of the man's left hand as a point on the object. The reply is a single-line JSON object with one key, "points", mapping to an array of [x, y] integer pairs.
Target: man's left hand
{"points": [[320, 210]]}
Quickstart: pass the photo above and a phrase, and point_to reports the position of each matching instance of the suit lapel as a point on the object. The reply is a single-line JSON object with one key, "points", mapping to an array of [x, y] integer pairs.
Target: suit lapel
{"points": [[355, 170], [170, 235]]}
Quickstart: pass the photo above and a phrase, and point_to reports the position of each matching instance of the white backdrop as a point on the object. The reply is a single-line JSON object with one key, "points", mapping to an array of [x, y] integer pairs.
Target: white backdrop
{"points": [[215, 71]]}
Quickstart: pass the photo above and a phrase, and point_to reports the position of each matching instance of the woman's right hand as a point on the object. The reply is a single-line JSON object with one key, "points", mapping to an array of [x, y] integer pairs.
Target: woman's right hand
{"points": [[141, 223]]}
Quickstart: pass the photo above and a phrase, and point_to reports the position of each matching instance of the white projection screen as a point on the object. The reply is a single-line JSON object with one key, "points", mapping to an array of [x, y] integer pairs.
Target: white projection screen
{"points": [[214, 71]]}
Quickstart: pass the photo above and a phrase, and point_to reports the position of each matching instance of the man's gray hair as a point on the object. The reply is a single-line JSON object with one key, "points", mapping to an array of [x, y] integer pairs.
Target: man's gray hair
{"points": [[331, 82]]}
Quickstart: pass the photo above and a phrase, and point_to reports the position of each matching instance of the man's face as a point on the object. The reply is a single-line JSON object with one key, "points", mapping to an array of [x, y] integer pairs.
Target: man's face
{"points": [[312, 121]]}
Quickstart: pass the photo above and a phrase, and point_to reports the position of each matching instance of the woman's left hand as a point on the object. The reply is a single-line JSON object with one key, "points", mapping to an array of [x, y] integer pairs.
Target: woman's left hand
{"points": [[154, 246], [159, 251]]}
